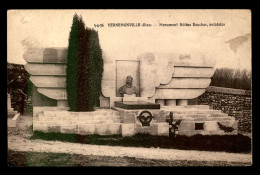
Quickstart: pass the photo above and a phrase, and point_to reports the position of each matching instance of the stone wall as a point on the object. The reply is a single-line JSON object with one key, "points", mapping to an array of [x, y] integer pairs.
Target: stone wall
{"points": [[234, 102]]}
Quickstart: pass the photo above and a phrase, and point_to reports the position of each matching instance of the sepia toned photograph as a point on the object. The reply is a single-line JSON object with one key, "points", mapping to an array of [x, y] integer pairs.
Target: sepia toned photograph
{"points": [[129, 88]]}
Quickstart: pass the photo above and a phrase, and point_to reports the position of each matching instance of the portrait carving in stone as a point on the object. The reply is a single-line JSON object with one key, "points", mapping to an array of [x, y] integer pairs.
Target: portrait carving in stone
{"points": [[128, 88]]}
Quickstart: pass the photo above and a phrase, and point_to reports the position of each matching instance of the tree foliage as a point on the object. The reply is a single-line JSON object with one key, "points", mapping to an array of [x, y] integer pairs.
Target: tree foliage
{"points": [[85, 67], [230, 78], [72, 65]]}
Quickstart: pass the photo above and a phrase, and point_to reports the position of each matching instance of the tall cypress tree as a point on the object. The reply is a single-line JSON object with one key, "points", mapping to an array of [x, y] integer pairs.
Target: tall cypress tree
{"points": [[83, 68], [72, 65], [90, 73], [95, 69]]}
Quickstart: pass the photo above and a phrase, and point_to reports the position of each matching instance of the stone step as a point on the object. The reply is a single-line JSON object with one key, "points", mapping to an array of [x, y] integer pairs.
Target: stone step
{"points": [[38, 109], [81, 114], [196, 111], [75, 121], [101, 129], [83, 129], [83, 118], [203, 118], [200, 115]]}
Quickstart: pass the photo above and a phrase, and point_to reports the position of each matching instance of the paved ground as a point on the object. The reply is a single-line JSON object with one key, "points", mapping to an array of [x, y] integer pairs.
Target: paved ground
{"points": [[18, 141]]}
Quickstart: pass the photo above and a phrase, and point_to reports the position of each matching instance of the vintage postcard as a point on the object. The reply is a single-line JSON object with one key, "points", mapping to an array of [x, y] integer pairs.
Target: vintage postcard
{"points": [[135, 87]]}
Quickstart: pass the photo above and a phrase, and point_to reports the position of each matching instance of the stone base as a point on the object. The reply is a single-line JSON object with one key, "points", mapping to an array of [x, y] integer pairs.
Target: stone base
{"points": [[132, 125], [101, 121], [137, 105], [129, 129], [11, 114], [194, 119], [199, 119], [12, 123]]}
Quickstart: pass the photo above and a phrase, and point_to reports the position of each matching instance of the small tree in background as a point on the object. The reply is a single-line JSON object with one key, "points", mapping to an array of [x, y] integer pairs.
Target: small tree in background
{"points": [[72, 65]]}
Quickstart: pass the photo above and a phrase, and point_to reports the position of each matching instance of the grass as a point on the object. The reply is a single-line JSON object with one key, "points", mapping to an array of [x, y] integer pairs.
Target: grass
{"points": [[226, 143], [35, 159]]}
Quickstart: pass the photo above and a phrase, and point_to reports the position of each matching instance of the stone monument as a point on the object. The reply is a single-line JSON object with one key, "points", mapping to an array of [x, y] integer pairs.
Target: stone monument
{"points": [[163, 85]]}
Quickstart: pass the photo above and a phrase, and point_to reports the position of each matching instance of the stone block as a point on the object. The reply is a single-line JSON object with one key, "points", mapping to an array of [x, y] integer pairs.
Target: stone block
{"points": [[160, 101], [114, 128], [163, 129], [182, 102], [48, 81], [152, 129], [211, 126], [129, 118], [187, 83], [56, 94], [11, 114], [104, 102], [160, 117], [177, 93], [101, 128], [86, 129], [186, 125], [62, 103], [170, 102], [193, 72], [128, 129], [12, 122], [46, 69], [38, 109], [42, 128], [69, 129], [46, 55], [54, 128], [137, 105]]}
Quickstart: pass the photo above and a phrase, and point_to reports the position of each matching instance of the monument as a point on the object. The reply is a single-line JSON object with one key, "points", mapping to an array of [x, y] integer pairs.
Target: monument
{"points": [[154, 99]]}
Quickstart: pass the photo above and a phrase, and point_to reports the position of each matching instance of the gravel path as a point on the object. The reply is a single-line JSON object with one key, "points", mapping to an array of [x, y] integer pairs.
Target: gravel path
{"points": [[18, 141]]}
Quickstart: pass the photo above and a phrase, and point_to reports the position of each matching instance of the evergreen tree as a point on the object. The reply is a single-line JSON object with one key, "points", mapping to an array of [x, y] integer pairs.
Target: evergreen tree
{"points": [[90, 75], [84, 67], [72, 65], [95, 69]]}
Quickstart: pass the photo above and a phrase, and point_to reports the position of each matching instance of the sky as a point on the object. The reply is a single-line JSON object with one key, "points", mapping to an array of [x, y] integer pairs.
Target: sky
{"points": [[229, 45]]}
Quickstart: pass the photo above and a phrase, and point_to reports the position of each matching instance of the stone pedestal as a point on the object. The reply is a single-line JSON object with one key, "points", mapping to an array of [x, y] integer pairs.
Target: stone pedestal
{"points": [[62, 103], [160, 101], [170, 102], [182, 102], [132, 122], [137, 105]]}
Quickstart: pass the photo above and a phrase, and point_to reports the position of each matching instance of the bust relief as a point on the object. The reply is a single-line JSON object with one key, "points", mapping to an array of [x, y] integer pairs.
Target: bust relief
{"points": [[128, 88]]}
